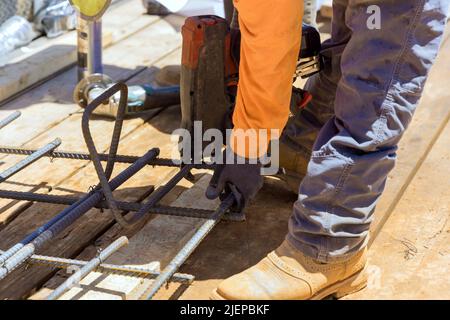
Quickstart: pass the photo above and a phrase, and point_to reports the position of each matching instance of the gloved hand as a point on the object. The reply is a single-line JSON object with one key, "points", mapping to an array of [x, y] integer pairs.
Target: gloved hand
{"points": [[243, 180]]}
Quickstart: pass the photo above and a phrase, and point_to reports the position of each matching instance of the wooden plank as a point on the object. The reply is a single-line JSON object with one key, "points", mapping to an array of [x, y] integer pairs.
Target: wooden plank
{"points": [[53, 100], [97, 286], [326, 10], [410, 257], [45, 57]]}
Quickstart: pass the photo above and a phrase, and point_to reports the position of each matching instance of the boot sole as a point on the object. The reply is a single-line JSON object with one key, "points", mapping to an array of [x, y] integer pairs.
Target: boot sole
{"points": [[340, 289]]}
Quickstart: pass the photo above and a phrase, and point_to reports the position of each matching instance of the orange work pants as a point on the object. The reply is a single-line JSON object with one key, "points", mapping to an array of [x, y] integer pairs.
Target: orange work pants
{"points": [[270, 45]]}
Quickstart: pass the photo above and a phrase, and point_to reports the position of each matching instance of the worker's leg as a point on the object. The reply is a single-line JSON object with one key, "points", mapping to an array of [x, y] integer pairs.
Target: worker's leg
{"points": [[270, 44], [383, 74], [302, 128]]}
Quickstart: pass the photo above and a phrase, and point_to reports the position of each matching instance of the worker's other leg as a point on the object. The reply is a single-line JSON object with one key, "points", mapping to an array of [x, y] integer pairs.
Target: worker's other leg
{"points": [[270, 44], [304, 125], [383, 74]]}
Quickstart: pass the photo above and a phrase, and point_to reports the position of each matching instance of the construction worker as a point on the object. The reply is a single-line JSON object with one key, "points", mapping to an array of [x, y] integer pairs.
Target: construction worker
{"points": [[344, 143]]}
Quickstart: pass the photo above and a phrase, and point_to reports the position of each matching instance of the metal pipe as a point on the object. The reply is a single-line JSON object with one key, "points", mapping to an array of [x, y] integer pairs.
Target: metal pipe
{"points": [[20, 252], [9, 119], [87, 268], [187, 250], [89, 47], [107, 268], [94, 55], [103, 157], [29, 160], [82, 48]]}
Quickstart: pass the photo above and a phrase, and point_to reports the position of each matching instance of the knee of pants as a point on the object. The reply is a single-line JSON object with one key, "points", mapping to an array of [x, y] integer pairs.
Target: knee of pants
{"points": [[376, 125]]}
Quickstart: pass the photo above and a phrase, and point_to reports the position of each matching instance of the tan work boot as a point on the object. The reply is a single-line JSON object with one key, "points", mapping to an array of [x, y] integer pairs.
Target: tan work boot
{"points": [[287, 274]]}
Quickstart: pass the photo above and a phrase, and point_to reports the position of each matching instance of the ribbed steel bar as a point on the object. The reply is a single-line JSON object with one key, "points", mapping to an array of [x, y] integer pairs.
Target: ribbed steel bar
{"points": [[122, 205], [9, 119], [29, 160], [159, 193], [187, 250], [163, 162], [87, 268], [107, 268], [19, 253], [105, 174]]}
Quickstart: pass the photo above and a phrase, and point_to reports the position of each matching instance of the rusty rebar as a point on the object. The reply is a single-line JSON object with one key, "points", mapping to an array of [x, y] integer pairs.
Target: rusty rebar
{"points": [[163, 162], [107, 268]]}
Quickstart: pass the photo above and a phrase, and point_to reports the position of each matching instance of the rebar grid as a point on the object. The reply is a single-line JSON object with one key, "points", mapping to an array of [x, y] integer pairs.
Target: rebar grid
{"points": [[101, 197]]}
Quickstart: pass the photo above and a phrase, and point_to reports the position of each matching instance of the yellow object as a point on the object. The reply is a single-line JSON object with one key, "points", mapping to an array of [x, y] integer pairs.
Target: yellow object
{"points": [[270, 45], [92, 9]]}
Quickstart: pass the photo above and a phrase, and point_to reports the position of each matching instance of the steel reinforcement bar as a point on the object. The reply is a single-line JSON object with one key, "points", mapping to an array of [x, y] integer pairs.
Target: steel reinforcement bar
{"points": [[163, 162]]}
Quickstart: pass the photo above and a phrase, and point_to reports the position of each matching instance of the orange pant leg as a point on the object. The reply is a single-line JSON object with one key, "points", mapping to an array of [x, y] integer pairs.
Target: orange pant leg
{"points": [[270, 44]]}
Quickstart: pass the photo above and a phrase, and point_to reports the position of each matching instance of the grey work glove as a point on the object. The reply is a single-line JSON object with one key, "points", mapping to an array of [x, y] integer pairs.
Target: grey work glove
{"points": [[242, 180]]}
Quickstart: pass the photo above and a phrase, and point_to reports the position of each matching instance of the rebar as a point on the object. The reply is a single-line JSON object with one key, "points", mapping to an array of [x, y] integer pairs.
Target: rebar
{"points": [[158, 194], [20, 252], [9, 119], [104, 175], [29, 160], [187, 250], [106, 268], [115, 139], [87, 268], [163, 162], [122, 205]]}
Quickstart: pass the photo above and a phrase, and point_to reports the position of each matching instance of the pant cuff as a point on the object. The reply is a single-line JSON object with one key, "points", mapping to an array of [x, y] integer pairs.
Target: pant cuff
{"points": [[315, 254]]}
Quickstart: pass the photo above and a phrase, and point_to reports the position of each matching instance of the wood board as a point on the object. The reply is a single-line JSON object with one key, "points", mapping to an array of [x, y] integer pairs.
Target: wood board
{"points": [[410, 258], [44, 57]]}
